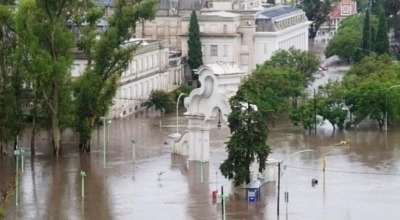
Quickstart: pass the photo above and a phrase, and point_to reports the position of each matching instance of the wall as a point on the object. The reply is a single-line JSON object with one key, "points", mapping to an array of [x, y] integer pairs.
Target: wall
{"points": [[266, 43]]}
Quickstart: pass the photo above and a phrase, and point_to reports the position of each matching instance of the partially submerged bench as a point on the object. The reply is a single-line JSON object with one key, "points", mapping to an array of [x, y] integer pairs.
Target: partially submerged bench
{"points": [[253, 189]]}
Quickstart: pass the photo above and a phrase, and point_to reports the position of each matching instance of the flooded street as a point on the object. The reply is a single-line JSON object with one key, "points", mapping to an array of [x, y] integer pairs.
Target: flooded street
{"points": [[360, 183]]}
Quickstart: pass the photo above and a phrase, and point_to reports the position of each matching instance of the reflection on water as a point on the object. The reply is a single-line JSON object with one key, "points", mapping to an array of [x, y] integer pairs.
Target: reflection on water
{"points": [[359, 183], [356, 180]]}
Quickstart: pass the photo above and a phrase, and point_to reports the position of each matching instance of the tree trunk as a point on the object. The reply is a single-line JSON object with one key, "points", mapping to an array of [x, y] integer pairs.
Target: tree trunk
{"points": [[56, 135], [85, 143], [3, 148]]}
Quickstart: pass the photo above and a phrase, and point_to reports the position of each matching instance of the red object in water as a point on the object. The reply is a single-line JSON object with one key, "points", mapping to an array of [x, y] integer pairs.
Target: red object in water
{"points": [[321, 68], [214, 194]]}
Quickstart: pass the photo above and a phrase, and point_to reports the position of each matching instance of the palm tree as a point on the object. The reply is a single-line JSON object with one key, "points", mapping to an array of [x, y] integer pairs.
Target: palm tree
{"points": [[393, 7]]}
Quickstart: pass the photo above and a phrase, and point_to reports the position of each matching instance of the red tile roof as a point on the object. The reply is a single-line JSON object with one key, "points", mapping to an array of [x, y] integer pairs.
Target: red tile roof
{"points": [[337, 11]]}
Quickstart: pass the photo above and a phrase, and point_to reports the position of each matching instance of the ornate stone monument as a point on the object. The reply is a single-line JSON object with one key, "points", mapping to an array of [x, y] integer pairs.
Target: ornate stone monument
{"points": [[219, 81]]}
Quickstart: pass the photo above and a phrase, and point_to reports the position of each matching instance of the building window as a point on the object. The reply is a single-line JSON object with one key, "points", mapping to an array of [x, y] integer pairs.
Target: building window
{"points": [[332, 33], [201, 28], [145, 63], [225, 28], [345, 9], [155, 61], [225, 50], [139, 68], [203, 50], [214, 50], [150, 61], [265, 48], [133, 67]]}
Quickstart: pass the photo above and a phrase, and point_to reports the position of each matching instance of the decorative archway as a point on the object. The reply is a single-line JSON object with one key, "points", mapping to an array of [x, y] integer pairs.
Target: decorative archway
{"points": [[219, 81]]}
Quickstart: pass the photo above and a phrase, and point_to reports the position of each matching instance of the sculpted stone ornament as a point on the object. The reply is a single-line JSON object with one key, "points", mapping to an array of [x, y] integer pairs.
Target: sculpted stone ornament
{"points": [[219, 81]]}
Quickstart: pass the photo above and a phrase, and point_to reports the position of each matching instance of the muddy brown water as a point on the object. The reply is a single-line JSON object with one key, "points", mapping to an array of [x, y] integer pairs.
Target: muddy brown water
{"points": [[359, 183]]}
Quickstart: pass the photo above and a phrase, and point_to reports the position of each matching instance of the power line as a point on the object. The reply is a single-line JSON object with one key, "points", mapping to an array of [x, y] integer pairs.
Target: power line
{"points": [[344, 171]]}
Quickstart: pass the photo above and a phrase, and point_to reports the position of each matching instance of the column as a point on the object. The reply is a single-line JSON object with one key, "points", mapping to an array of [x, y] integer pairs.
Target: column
{"points": [[199, 138]]}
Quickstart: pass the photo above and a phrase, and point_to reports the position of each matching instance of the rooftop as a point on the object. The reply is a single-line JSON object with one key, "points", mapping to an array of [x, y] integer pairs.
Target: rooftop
{"points": [[278, 12]]}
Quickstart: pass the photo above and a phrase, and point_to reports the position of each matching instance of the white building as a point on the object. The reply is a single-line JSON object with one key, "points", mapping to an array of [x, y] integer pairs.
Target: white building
{"points": [[167, 23], [151, 68], [248, 38]]}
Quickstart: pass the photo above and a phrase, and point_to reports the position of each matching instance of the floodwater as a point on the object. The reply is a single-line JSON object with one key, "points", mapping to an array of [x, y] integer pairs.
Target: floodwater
{"points": [[360, 183]]}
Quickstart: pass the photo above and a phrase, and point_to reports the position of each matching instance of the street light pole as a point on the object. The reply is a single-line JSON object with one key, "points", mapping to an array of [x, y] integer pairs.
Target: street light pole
{"points": [[104, 141], [133, 150], [386, 112], [177, 112], [279, 180], [347, 143]]}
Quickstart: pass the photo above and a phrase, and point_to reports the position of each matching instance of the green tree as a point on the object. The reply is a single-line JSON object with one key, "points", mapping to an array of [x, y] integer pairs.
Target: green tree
{"points": [[305, 115], [340, 44], [246, 126], [195, 55], [46, 44], [331, 105], [347, 43], [393, 7], [161, 101], [382, 40], [108, 57], [305, 62], [366, 86], [368, 35], [316, 11], [11, 91], [271, 89]]}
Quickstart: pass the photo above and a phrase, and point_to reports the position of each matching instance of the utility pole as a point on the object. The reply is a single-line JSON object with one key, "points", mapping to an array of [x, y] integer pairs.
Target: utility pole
{"points": [[315, 114], [279, 186]]}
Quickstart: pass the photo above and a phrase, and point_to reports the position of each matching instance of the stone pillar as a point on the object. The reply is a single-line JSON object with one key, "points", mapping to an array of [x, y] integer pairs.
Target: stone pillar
{"points": [[199, 138]]}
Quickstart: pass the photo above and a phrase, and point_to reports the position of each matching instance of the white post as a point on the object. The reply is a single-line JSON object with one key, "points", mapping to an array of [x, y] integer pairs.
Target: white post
{"points": [[286, 192], [177, 112]]}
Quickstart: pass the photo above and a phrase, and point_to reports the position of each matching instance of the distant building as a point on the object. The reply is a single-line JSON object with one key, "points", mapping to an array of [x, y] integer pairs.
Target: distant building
{"points": [[341, 10], [248, 37], [153, 67], [167, 23]]}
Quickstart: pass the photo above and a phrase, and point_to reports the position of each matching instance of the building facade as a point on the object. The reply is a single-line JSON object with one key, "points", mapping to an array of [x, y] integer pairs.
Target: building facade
{"points": [[341, 10], [153, 67], [248, 38], [167, 23]]}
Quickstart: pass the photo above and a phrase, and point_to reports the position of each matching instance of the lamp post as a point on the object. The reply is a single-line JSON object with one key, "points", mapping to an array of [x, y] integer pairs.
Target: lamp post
{"points": [[108, 131], [279, 178], [133, 149], [83, 175], [223, 201], [386, 113], [347, 143], [201, 170], [104, 141], [177, 112]]}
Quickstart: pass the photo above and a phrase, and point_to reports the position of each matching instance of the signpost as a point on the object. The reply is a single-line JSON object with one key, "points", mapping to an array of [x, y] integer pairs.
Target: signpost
{"points": [[133, 150], [83, 175]]}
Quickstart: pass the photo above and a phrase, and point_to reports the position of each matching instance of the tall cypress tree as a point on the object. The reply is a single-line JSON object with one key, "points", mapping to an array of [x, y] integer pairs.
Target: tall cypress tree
{"points": [[367, 45], [382, 40], [195, 55]]}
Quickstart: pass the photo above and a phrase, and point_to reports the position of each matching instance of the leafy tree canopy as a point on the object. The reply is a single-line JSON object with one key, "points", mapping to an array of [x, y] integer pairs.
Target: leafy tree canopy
{"points": [[305, 62], [247, 126], [316, 11], [161, 100]]}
